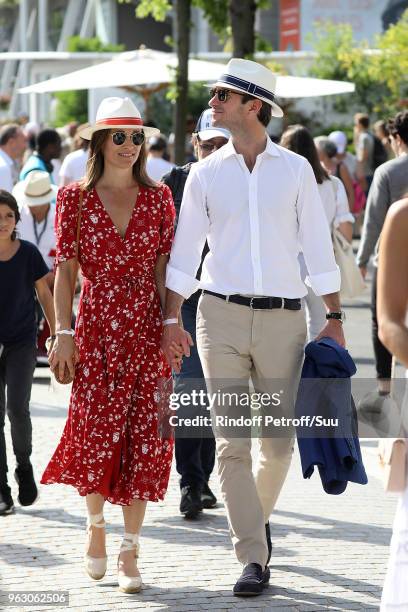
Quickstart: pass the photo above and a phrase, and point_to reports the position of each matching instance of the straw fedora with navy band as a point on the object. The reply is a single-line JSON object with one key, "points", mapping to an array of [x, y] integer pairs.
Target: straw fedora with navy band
{"points": [[252, 78], [117, 113]]}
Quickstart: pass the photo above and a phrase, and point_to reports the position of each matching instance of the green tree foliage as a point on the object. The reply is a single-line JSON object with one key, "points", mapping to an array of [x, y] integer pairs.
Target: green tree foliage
{"points": [[73, 105], [76, 43], [391, 66], [380, 75], [228, 18], [158, 9], [162, 112], [217, 12]]}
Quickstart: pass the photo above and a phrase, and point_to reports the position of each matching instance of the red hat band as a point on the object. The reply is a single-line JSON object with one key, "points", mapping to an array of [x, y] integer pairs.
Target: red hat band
{"points": [[120, 121]]}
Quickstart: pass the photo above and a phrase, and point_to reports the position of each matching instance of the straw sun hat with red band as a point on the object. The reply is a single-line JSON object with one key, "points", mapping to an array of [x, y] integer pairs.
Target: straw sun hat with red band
{"points": [[117, 113]]}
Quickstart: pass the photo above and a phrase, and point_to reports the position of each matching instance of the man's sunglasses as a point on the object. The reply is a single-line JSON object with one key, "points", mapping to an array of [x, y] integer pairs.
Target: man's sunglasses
{"points": [[137, 138], [223, 95]]}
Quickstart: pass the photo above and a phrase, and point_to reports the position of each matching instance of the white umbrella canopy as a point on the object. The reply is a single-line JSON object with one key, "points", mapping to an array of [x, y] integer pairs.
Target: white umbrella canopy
{"points": [[145, 68], [306, 87], [129, 69]]}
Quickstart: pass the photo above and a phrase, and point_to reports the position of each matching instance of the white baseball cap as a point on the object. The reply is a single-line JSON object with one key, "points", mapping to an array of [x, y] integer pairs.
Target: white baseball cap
{"points": [[340, 140], [205, 129]]}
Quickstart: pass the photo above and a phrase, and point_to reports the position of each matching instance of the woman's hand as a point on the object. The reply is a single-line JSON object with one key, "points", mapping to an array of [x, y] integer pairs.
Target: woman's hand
{"points": [[64, 353]]}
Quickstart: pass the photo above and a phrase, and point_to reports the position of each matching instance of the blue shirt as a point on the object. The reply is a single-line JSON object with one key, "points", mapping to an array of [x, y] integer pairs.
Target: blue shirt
{"points": [[35, 162]]}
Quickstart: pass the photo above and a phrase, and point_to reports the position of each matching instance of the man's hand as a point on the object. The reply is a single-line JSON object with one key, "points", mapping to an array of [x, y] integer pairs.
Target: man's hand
{"points": [[333, 329], [363, 270], [176, 342]]}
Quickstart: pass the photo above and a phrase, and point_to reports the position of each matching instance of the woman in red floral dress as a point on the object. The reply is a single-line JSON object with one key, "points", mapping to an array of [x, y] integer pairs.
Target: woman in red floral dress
{"points": [[111, 448]]}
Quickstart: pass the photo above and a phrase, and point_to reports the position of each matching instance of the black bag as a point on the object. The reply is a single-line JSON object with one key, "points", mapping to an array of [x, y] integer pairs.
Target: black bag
{"points": [[176, 180]]}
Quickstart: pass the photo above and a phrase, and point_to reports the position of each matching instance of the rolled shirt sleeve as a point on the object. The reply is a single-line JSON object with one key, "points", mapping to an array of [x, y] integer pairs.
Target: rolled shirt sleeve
{"points": [[191, 233], [314, 237]]}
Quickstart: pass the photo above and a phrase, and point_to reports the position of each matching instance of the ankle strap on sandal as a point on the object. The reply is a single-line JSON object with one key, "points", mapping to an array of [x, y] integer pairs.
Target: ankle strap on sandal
{"points": [[130, 542], [96, 520]]}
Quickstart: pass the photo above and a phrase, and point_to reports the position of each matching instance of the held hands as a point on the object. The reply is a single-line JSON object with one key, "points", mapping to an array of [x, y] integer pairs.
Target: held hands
{"points": [[176, 343], [63, 357]]}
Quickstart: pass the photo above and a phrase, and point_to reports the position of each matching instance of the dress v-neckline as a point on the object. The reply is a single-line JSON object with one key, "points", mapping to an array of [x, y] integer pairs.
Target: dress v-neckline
{"points": [[124, 237]]}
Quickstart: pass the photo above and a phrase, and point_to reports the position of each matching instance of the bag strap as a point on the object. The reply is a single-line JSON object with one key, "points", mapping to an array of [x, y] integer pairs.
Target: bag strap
{"points": [[81, 198], [78, 233]]}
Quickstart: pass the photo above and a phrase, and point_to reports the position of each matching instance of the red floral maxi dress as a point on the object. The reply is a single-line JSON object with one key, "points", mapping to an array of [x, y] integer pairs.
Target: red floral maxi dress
{"points": [[111, 442]]}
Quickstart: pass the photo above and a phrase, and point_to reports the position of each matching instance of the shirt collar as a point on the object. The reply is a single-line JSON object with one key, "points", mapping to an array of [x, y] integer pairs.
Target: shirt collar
{"points": [[6, 157], [271, 149]]}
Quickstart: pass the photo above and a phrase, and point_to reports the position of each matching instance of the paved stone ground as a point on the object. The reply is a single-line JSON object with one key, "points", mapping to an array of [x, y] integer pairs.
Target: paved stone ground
{"points": [[329, 552]]}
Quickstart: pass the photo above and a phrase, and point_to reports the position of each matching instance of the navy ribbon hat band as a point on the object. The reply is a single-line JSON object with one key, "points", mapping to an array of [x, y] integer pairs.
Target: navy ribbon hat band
{"points": [[251, 88]]}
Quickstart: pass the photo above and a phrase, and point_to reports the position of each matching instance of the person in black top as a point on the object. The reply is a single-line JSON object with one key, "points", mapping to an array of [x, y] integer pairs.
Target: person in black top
{"points": [[195, 456], [22, 274]]}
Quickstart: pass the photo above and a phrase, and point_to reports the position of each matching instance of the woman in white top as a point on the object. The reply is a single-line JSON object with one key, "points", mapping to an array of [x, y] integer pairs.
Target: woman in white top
{"points": [[334, 198]]}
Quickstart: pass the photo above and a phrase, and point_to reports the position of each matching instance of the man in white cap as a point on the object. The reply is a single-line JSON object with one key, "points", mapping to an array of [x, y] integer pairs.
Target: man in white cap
{"points": [[258, 206], [195, 455]]}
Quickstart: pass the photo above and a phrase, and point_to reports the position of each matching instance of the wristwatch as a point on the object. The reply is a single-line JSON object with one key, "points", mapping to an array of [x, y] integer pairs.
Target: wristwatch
{"points": [[338, 316]]}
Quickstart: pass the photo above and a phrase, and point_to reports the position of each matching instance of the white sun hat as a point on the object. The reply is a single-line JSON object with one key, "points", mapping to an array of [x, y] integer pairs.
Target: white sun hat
{"points": [[252, 78], [115, 113], [35, 190], [205, 129]]}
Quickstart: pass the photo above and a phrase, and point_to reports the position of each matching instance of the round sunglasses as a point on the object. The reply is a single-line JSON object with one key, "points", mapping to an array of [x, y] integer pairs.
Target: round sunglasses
{"points": [[137, 138]]}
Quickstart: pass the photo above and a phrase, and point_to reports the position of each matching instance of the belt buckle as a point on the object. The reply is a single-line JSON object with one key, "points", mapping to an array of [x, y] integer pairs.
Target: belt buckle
{"points": [[251, 304]]}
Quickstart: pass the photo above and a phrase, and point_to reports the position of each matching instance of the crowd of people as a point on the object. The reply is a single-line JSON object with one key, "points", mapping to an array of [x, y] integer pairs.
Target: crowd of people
{"points": [[192, 309]]}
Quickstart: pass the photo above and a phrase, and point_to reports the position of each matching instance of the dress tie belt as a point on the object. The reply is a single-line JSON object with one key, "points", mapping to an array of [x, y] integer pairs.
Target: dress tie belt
{"points": [[126, 279]]}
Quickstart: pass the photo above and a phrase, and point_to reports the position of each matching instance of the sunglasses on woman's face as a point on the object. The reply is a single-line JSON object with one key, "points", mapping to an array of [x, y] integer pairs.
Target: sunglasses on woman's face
{"points": [[137, 138]]}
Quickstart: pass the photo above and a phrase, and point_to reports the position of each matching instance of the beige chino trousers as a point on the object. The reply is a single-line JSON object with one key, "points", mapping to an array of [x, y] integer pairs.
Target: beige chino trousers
{"points": [[236, 343]]}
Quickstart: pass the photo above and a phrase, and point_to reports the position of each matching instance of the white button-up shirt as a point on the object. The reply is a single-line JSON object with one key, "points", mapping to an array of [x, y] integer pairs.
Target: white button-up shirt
{"points": [[6, 171], [256, 223]]}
